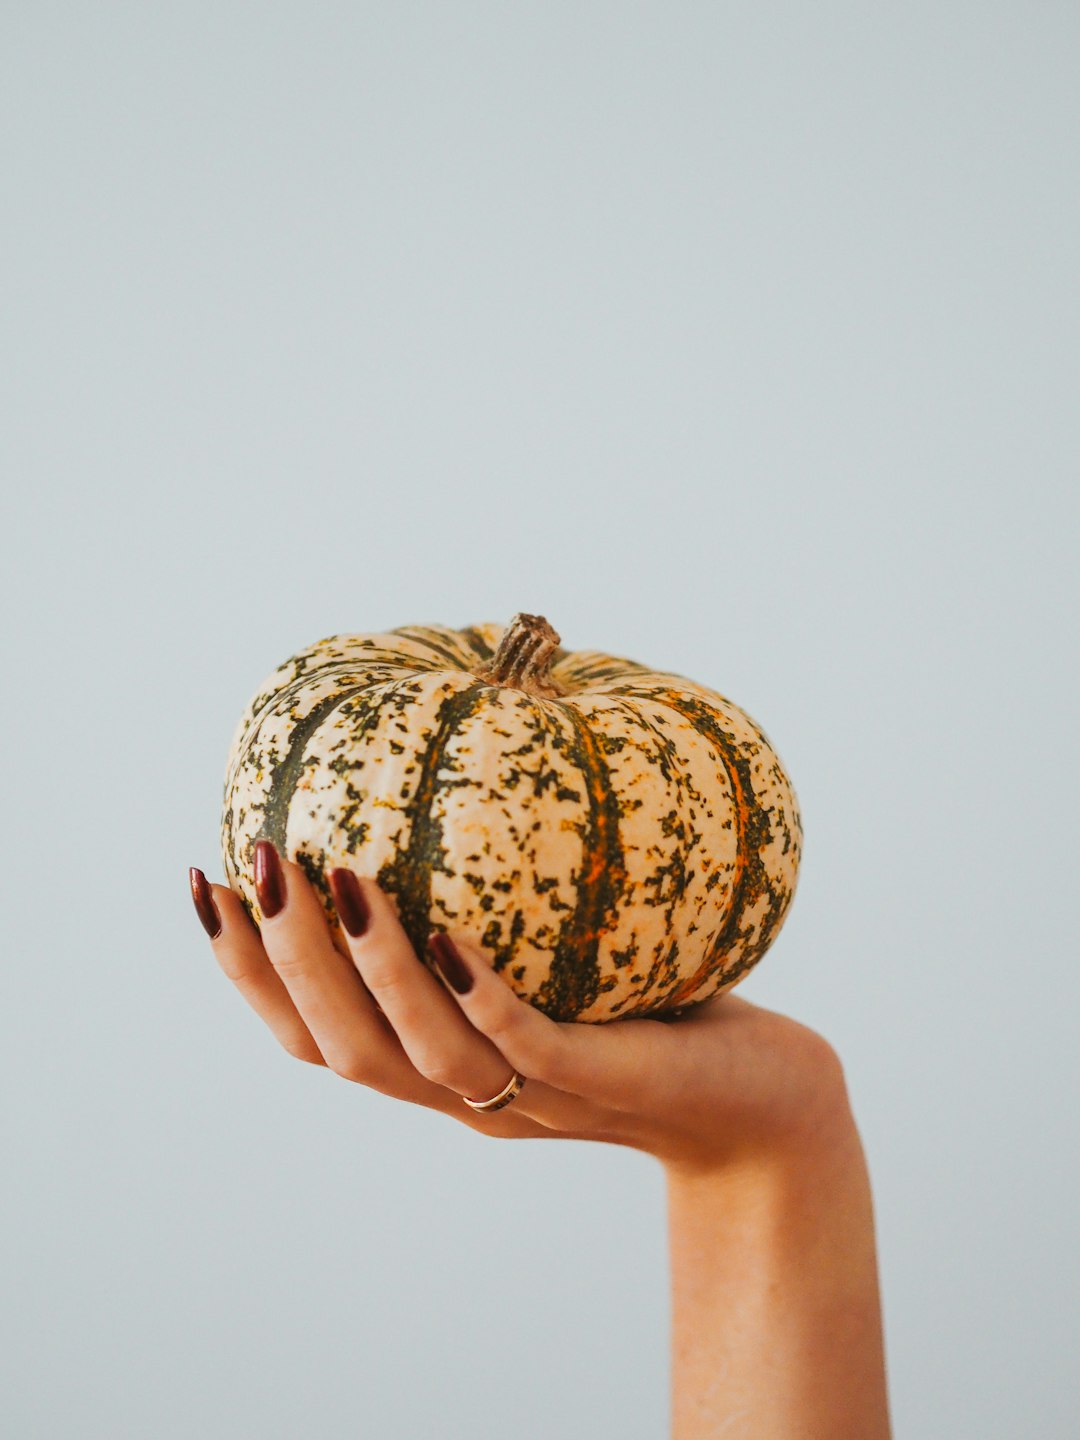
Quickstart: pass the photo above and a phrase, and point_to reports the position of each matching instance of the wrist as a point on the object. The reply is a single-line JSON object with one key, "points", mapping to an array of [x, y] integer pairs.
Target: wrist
{"points": [[769, 1144], [806, 1201], [776, 1305]]}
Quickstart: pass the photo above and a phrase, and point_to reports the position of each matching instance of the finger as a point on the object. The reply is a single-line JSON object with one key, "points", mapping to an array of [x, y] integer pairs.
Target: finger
{"points": [[439, 1031], [358, 1041], [606, 1066], [323, 984], [441, 1043], [438, 1037], [239, 951]]}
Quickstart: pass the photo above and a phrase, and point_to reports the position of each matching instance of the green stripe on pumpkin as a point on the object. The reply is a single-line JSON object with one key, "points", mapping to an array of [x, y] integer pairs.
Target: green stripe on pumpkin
{"points": [[573, 981], [408, 875], [478, 643], [287, 774], [753, 833], [435, 642]]}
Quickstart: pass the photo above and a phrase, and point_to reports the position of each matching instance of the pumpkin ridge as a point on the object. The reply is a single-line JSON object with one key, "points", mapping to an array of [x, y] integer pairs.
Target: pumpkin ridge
{"points": [[409, 875], [362, 663], [583, 666], [754, 832], [665, 753], [268, 700], [477, 641], [302, 680], [573, 980], [424, 635], [286, 775]]}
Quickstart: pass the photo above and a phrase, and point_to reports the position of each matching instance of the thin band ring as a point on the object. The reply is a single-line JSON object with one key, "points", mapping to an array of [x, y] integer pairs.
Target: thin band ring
{"points": [[510, 1091]]}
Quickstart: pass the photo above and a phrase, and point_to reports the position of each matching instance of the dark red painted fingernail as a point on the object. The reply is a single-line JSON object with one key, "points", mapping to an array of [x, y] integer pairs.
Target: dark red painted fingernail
{"points": [[349, 899], [451, 966], [269, 879], [205, 908]]}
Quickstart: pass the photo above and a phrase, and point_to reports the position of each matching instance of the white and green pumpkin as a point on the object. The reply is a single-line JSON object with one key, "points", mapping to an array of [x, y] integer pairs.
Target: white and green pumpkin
{"points": [[618, 840]]}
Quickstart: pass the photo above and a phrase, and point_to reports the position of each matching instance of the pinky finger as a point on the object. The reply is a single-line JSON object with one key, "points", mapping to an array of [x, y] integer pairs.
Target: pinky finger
{"points": [[238, 949]]}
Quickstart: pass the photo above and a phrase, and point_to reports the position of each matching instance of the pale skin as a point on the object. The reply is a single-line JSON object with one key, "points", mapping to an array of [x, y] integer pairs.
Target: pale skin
{"points": [[777, 1331]]}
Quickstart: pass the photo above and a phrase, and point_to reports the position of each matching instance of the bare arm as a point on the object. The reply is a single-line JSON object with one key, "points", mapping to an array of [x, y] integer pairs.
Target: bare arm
{"points": [[776, 1315]]}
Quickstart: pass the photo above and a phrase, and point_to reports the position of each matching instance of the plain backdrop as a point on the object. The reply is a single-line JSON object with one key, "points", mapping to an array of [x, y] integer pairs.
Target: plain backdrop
{"points": [[739, 339]]}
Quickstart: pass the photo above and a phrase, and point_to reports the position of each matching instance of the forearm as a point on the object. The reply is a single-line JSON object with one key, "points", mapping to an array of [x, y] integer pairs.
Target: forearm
{"points": [[776, 1312]]}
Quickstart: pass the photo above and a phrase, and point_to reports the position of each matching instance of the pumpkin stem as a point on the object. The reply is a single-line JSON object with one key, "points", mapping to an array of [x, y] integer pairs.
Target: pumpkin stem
{"points": [[523, 658]]}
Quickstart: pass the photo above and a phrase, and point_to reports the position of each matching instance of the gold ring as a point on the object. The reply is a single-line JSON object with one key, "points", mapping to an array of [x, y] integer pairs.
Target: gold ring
{"points": [[510, 1091]]}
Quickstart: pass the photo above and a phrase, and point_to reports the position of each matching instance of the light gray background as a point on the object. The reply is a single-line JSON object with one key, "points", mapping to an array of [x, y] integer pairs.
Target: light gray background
{"points": [[739, 339]]}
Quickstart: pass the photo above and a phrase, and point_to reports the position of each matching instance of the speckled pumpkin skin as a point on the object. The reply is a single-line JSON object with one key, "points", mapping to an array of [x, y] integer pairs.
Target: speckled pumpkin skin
{"points": [[625, 849]]}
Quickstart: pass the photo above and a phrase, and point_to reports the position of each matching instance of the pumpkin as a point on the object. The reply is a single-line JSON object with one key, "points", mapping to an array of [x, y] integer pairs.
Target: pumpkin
{"points": [[617, 840]]}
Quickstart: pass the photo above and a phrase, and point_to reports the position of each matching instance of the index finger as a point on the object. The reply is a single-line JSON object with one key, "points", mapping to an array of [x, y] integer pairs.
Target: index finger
{"points": [[238, 949]]}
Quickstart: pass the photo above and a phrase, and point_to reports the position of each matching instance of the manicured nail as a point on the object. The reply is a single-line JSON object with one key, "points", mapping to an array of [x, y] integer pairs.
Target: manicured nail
{"points": [[269, 879], [205, 908], [451, 965], [350, 902]]}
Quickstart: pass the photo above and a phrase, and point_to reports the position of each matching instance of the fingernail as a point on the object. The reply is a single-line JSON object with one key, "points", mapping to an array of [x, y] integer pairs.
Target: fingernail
{"points": [[451, 966], [350, 902], [269, 879], [205, 908]]}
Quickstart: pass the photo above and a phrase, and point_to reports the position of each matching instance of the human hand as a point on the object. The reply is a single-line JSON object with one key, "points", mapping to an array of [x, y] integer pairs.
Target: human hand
{"points": [[727, 1081]]}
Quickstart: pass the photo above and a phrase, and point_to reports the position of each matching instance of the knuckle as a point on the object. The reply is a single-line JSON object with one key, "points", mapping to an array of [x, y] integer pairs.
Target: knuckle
{"points": [[303, 1048], [235, 968], [390, 984], [350, 1067], [439, 1069], [289, 963], [545, 1059], [503, 1026]]}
